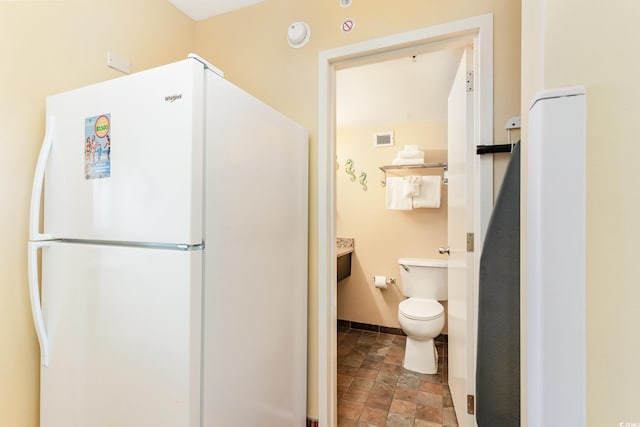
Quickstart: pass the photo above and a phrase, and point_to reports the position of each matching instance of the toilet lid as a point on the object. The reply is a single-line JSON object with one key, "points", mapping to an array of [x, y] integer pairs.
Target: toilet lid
{"points": [[421, 309]]}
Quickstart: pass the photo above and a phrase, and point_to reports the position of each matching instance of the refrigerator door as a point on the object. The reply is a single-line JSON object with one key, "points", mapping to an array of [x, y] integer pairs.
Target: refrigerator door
{"points": [[126, 158], [256, 263], [124, 336]]}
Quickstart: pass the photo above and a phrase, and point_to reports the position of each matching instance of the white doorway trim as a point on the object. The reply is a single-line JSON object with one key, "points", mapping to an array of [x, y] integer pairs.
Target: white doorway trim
{"points": [[477, 31]]}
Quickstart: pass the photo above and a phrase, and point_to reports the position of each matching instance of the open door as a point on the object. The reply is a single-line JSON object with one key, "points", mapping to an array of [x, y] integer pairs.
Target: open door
{"points": [[461, 302]]}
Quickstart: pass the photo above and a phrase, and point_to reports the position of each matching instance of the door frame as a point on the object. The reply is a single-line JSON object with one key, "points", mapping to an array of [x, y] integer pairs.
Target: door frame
{"points": [[477, 31]]}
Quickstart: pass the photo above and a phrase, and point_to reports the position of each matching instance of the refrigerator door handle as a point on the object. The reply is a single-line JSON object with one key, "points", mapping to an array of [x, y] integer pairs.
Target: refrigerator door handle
{"points": [[36, 306], [38, 182]]}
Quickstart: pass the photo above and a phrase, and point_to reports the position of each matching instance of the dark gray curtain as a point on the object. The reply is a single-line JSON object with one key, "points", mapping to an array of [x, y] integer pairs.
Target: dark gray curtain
{"points": [[498, 357]]}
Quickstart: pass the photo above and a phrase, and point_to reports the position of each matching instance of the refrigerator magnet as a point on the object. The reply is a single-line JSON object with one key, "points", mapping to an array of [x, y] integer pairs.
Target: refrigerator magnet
{"points": [[97, 146]]}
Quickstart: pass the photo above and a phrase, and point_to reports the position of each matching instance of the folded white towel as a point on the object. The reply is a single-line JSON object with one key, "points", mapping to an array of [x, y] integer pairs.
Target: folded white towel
{"points": [[396, 198], [407, 161], [429, 197], [412, 186], [411, 148], [404, 154]]}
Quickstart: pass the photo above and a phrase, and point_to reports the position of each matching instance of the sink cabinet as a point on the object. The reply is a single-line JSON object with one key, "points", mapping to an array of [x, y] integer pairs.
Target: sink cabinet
{"points": [[344, 251]]}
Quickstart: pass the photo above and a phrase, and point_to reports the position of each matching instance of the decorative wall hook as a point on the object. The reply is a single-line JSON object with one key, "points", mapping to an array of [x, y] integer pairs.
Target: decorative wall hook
{"points": [[348, 168], [363, 181]]}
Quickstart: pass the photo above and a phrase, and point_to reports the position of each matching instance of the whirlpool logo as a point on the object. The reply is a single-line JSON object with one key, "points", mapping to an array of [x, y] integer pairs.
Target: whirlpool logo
{"points": [[173, 98]]}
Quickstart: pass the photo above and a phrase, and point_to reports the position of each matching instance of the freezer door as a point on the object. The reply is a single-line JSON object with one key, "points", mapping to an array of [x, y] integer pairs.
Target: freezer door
{"points": [[126, 160], [124, 337]]}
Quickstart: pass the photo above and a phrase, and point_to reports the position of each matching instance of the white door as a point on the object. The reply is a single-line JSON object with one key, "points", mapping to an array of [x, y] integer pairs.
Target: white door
{"points": [[123, 328], [126, 158], [461, 313]]}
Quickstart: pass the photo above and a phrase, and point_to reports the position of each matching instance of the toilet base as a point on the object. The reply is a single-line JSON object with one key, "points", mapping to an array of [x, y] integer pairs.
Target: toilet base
{"points": [[421, 356]]}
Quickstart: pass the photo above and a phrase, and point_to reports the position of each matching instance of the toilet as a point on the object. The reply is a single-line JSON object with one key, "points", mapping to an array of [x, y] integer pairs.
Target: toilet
{"points": [[421, 316]]}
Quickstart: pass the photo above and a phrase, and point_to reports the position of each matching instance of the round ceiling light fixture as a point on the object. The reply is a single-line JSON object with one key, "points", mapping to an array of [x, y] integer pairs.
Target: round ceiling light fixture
{"points": [[298, 34]]}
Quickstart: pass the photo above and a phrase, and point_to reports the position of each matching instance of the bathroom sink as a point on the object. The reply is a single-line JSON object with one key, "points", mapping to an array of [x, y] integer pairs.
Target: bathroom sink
{"points": [[344, 249]]}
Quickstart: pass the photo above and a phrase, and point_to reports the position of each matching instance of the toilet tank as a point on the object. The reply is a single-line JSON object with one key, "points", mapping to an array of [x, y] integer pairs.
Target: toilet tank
{"points": [[424, 278]]}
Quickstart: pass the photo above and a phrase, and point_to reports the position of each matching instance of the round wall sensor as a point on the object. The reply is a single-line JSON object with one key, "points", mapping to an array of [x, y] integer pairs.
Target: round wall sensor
{"points": [[345, 3], [298, 34]]}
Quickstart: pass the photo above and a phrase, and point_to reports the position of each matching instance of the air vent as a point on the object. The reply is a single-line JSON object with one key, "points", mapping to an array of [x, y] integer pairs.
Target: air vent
{"points": [[383, 139]]}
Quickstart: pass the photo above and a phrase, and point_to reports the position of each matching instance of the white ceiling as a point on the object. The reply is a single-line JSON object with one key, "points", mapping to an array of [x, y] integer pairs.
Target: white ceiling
{"points": [[397, 91], [203, 9]]}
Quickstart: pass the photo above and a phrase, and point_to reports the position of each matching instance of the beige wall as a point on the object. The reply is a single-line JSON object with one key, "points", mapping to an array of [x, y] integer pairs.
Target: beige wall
{"points": [[383, 236], [590, 43], [48, 47], [250, 47], [533, 36]]}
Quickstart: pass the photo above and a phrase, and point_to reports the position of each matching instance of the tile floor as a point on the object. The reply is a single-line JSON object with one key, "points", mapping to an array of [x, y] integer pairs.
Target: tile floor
{"points": [[374, 390]]}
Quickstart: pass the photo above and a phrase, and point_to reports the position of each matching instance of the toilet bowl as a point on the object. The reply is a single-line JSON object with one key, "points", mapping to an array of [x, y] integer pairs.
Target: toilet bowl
{"points": [[421, 316], [421, 320]]}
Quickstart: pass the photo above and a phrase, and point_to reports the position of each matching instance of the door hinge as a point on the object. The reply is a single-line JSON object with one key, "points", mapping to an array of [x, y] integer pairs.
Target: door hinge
{"points": [[470, 81], [470, 242], [471, 407]]}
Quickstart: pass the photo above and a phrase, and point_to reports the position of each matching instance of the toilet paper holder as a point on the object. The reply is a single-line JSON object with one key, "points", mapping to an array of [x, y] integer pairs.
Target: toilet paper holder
{"points": [[381, 282]]}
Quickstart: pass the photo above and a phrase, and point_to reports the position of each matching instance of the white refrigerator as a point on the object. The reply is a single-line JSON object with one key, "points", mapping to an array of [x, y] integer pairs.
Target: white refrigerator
{"points": [[169, 217]]}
